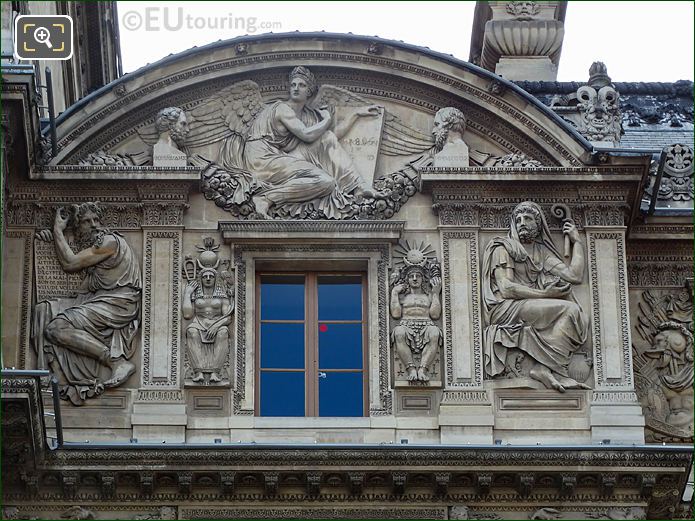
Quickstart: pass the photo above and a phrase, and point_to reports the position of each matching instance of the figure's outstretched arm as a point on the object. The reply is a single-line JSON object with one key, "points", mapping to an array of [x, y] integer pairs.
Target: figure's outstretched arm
{"points": [[298, 128]]}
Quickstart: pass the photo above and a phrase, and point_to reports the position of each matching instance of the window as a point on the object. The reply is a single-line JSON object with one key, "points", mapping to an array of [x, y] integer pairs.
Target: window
{"points": [[310, 356]]}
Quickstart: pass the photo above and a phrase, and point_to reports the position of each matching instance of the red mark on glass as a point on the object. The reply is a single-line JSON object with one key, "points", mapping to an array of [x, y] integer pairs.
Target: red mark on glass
{"points": [[323, 328]]}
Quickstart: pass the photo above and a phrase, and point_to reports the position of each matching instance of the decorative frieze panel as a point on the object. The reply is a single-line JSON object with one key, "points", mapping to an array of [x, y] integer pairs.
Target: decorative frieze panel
{"points": [[126, 208], [659, 263]]}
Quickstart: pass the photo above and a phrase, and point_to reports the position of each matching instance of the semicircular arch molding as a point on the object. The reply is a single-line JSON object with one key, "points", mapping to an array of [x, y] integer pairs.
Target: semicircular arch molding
{"points": [[500, 116]]}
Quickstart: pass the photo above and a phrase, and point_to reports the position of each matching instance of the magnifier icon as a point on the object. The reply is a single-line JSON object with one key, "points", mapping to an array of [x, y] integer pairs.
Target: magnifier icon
{"points": [[42, 35]]}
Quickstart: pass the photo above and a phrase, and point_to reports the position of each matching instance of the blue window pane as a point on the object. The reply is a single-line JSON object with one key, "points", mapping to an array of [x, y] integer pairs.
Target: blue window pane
{"points": [[282, 346], [282, 297], [282, 394], [340, 346], [340, 394], [340, 298]]}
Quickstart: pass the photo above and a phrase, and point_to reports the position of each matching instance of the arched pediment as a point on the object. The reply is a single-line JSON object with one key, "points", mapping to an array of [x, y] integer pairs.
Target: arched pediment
{"points": [[412, 83]]}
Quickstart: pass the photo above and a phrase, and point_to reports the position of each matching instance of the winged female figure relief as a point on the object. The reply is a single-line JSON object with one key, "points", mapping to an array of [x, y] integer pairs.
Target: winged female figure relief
{"points": [[285, 158]]}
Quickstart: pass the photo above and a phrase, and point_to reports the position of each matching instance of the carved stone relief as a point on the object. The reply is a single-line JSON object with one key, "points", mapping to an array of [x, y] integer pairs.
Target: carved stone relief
{"points": [[523, 10], [416, 286], [677, 180], [595, 108], [208, 303], [663, 362], [305, 170], [535, 326], [87, 330], [172, 128], [452, 151]]}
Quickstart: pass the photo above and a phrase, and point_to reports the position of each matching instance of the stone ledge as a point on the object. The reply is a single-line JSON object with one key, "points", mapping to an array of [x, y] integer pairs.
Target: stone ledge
{"points": [[335, 231]]}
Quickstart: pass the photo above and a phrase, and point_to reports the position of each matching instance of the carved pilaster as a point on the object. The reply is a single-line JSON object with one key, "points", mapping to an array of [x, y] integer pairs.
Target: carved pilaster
{"points": [[609, 300], [161, 303], [568, 484], [608, 481], [462, 313], [614, 390], [17, 282], [648, 483], [525, 484], [69, 484], [185, 482], [146, 483]]}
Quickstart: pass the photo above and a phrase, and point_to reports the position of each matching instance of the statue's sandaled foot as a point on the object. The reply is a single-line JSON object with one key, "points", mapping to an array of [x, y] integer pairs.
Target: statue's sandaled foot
{"points": [[262, 205], [571, 383], [198, 377], [422, 374], [120, 371], [214, 377], [365, 192], [412, 373], [545, 376]]}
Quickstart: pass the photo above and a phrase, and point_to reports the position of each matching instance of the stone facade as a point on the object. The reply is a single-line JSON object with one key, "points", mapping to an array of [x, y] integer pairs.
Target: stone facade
{"points": [[517, 293]]}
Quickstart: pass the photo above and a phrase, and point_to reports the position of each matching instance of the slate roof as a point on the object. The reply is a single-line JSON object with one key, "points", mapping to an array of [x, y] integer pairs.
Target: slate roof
{"points": [[654, 114]]}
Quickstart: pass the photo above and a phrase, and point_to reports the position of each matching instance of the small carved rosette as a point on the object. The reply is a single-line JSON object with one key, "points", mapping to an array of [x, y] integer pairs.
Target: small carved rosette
{"points": [[415, 307], [208, 306]]}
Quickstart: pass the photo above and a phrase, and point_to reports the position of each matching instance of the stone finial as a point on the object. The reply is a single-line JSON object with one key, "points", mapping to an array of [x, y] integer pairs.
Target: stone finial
{"points": [[598, 75]]}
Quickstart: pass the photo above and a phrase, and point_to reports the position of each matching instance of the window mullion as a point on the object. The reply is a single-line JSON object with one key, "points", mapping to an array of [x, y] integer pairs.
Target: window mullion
{"points": [[312, 344]]}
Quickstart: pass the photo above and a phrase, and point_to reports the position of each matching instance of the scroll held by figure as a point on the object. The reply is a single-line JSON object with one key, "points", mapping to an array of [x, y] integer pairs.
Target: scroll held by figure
{"points": [[86, 338], [415, 304], [530, 308], [208, 302]]}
